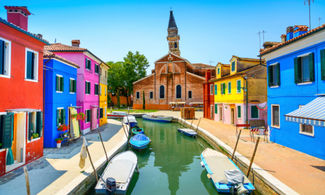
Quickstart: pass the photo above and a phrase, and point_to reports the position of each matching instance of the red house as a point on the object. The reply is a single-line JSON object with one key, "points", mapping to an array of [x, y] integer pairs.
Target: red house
{"points": [[21, 86], [208, 95]]}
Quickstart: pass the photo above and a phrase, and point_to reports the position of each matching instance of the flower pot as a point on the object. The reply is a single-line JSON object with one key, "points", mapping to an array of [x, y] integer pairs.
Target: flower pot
{"points": [[58, 145]]}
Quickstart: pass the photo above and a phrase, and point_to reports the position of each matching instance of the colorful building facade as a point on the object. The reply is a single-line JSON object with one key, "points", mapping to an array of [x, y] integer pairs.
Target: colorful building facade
{"points": [[60, 84], [88, 81], [296, 88], [103, 94], [233, 104], [208, 95], [21, 86]]}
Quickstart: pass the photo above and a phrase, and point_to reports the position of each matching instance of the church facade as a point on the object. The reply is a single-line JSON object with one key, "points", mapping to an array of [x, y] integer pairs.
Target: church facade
{"points": [[173, 81]]}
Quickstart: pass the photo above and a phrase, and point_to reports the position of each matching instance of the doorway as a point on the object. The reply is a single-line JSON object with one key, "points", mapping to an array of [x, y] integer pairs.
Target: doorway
{"points": [[93, 123], [232, 116], [211, 111], [220, 113]]}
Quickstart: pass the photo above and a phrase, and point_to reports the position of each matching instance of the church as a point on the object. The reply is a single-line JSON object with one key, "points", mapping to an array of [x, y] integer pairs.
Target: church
{"points": [[174, 81]]}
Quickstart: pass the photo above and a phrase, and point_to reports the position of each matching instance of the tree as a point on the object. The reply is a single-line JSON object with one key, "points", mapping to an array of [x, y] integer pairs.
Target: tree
{"points": [[116, 79], [135, 66]]}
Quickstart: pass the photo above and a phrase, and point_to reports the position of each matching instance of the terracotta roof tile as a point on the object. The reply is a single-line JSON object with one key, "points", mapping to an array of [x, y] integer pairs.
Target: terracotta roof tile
{"points": [[201, 65], [48, 54], [62, 47]]}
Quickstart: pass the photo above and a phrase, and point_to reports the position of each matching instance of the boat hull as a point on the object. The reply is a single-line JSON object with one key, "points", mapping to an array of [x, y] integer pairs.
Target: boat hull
{"points": [[139, 144], [190, 134], [158, 119]]}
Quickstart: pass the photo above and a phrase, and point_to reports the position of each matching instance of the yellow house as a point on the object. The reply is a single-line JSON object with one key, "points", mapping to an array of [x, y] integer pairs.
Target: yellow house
{"points": [[103, 94], [231, 98]]}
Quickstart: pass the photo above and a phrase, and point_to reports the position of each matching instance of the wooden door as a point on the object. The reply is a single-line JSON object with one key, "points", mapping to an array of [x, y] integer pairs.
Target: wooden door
{"points": [[232, 116], [220, 113]]}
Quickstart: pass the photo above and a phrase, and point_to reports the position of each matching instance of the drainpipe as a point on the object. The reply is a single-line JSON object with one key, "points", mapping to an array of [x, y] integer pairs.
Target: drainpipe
{"points": [[246, 97]]}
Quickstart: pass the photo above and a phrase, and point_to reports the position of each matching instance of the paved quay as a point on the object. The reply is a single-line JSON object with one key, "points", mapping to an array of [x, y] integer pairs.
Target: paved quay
{"points": [[303, 173], [58, 171]]}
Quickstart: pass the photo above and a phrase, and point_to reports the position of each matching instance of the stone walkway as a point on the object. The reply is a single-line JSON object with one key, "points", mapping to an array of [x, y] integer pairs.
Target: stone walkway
{"points": [[303, 173], [58, 167]]}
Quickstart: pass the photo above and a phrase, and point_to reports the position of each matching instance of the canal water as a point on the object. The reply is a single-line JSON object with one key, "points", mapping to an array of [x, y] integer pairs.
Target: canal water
{"points": [[171, 164]]}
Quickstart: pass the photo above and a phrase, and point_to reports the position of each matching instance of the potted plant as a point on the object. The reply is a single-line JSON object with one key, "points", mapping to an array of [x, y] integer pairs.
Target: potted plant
{"points": [[35, 135], [58, 142]]}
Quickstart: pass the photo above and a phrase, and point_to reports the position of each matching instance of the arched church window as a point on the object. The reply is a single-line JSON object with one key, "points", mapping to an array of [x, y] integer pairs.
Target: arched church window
{"points": [[178, 91], [175, 44], [162, 91]]}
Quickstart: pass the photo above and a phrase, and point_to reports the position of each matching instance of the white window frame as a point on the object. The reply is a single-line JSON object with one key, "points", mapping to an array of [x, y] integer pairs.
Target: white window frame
{"points": [[258, 112], [35, 65], [90, 87], [302, 56], [58, 75], [7, 59], [238, 92], [305, 133], [95, 89], [72, 79], [275, 86], [87, 115], [272, 105]]}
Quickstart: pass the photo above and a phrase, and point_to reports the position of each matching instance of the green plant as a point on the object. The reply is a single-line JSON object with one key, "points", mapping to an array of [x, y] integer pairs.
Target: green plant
{"points": [[35, 135], [58, 140]]}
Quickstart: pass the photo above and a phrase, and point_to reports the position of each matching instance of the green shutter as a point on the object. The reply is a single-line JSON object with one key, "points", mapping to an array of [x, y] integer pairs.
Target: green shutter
{"points": [[63, 116], [39, 122], [2, 57], [229, 87], [238, 111], [216, 108], [297, 62], [57, 83], [322, 59], [238, 86], [7, 130], [61, 83], [311, 67], [254, 112], [215, 89], [57, 117], [278, 74], [270, 75], [30, 125], [74, 86], [86, 65]]}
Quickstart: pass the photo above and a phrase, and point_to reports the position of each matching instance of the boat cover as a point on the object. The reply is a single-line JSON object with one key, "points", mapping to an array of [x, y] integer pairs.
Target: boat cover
{"points": [[130, 119], [234, 176], [120, 170], [140, 137]]}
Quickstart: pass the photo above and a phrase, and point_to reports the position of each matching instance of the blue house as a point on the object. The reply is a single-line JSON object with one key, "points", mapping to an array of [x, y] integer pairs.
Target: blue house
{"points": [[296, 90], [60, 76]]}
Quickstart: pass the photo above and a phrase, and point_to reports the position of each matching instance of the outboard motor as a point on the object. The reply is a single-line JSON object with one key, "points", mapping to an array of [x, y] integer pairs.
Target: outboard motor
{"points": [[111, 185]]}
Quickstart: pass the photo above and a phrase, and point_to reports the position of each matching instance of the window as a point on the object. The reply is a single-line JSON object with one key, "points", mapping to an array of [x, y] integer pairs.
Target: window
{"points": [[138, 95], [5, 49], [322, 59], [233, 65], [238, 111], [238, 86], [60, 116], [31, 71], [304, 68], [211, 89], [216, 108], [274, 75], [178, 91], [88, 64], [275, 114], [88, 116], [101, 112], [162, 92], [6, 120], [96, 68], [151, 95], [190, 94], [87, 87], [215, 89], [96, 89], [254, 111], [218, 70], [229, 87], [223, 88], [59, 83], [35, 125], [306, 129], [72, 86]]}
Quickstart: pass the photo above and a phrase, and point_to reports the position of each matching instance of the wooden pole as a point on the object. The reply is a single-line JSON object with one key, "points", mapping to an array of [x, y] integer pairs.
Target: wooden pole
{"points": [[192, 123], [252, 159], [197, 127], [101, 140], [91, 162], [27, 181], [233, 153], [126, 134]]}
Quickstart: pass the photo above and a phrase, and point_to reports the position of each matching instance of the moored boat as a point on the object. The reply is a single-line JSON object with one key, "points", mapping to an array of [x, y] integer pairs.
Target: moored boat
{"points": [[187, 132], [225, 175], [117, 114], [130, 119], [117, 174], [157, 118], [137, 130], [139, 141]]}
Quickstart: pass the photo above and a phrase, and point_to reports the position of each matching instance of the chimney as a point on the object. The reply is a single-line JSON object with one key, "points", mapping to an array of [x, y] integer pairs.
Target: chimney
{"points": [[18, 15], [75, 43], [39, 36], [283, 38], [289, 33], [299, 30]]}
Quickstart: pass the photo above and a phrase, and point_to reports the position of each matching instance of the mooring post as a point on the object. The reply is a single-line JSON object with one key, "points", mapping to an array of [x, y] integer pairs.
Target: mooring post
{"points": [[101, 140], [233, 153], [197, 127], [252, 159], [126, 134], [192, 122], [91, 162], [27, 181]]}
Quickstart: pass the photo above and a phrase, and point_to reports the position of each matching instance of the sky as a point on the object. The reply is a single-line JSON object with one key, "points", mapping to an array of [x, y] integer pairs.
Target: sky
{"points": [[211, 31]]}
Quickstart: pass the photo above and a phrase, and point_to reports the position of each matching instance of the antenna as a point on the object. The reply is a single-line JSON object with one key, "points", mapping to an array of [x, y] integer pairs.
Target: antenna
{"points": [[259, 39], [263, 32], [54, 40], [308, 1], [319, 19]]}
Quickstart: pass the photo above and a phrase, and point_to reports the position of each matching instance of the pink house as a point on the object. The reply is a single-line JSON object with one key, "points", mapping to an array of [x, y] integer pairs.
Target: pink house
{"points": [[87, 80]]}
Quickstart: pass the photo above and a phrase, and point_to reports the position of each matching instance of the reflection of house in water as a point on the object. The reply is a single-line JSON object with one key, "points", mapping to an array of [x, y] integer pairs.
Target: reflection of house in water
{"points": [[173, 153]]}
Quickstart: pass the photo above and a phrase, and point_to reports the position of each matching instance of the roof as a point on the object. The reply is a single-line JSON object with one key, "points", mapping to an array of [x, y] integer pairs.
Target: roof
{"points": [[204, 66], [265, 51], [24, 8], [23, 31], [312, 113], [172, 23], [245, 59], [49, 55]]}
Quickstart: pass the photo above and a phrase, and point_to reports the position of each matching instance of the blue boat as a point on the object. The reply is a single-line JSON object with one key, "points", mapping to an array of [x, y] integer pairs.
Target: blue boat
{"points": [[157, 118], [137, 130], [139, 141], [224, 173], [187, 132], [130, 120]]}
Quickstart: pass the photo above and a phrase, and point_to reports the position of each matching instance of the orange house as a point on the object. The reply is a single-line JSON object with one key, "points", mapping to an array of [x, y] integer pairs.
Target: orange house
{"points": [[21, 86]]}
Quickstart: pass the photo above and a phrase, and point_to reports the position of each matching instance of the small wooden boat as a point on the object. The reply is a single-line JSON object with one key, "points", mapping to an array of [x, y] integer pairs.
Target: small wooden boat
{"points": [[139, 141], [188, 132], [137, 130], [117, 174], [225, 175], [117, 114], [130, 119], [157, 118]]}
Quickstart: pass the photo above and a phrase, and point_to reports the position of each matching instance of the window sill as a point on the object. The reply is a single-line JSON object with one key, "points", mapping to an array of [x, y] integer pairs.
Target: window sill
{"points": [[308, 134], [278, 127], [305, 83], [274, 86], [31, 80], [59, 91], [72, 92], [30, 141], [5, 76]]}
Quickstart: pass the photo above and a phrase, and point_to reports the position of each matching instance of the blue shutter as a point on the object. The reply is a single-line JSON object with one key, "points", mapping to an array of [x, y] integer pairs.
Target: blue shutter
{"points": [[29, 65], [322, 59], [2, 57]]}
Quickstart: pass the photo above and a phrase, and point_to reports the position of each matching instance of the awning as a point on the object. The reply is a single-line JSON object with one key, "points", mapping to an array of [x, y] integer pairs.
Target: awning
{"points": [[312, 113]]}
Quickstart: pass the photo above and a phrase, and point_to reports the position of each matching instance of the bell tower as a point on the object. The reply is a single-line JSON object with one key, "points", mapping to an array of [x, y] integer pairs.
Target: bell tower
{"points": [[173, 37]]}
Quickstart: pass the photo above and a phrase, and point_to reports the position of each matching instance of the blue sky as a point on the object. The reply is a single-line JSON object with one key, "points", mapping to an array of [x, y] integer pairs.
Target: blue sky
{"points": [[210, 31]]}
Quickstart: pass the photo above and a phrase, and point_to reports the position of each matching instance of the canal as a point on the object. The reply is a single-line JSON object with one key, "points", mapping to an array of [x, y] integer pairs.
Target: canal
{"points": [[171, 164]]}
